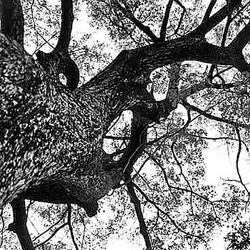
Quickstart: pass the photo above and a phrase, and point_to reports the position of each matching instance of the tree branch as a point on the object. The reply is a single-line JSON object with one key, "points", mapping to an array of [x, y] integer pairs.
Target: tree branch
{"points": [[139, 213], [67, 18], [215, 19], [237, 162], [52, 235], [165, 20], [226, 29], [165, 213], [209, 10], [56, 223], [145, 29], [216, 118], [12, 21], [19, 224], [71, 228], [59, 59], [241, 40]]}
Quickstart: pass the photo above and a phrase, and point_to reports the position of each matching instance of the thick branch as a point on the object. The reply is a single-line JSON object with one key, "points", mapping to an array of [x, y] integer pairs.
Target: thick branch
{"points": [[136, 144], [241, 40], [12, 21], [158, 55], [67, 18], [209, 10], [19, 224], [215, 19]]}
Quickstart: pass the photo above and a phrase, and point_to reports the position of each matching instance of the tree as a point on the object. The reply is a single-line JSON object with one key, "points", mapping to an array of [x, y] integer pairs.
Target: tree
{"points": [[52, 135]]}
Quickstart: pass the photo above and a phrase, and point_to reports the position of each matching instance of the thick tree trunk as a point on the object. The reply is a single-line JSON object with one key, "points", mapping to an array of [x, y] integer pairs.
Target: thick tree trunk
{"points": [[47, 135]]}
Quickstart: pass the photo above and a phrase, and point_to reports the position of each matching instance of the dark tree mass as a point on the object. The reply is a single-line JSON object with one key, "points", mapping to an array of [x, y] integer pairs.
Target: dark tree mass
{"points": [[52, 134]]}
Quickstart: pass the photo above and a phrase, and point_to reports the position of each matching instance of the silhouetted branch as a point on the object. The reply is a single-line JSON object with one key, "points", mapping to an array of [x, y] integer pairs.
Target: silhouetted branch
{"points": [[209, 10], [67, 18], [53, 225], [127, 13], [71, 228], [165, 20], [237, 162], [211, 22], [137, 142], [143, 227], [52, 235], [157, 207], [19, 226], [179, 188], [241, 40], [216, 118], [2, 226], [224, 36]]}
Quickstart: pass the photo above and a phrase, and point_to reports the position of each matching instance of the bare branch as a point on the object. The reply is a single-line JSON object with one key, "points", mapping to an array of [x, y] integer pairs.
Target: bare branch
{"points": [[216, 118], [180, 21], [224, 36], [137, 142], [53, 225], [165, 20], [2, 226], [241, 40], [145, 29], [165, 213], [52, 235], [139, 213], [71, 228], [67, 18], [209, 10], [237, 162], [215, 19], [19, 224]]}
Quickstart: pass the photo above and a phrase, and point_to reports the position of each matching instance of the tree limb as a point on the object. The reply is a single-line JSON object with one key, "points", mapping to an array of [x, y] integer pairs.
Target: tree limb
{"points": [[209, 10], [145, 29], [67, 18], [215, 19], [12, 21], [165, 213], [71, 228], [216, 118], [19, 224], [143, 227], [165, 20], [59, 59], [237, 162], [241, 40]]}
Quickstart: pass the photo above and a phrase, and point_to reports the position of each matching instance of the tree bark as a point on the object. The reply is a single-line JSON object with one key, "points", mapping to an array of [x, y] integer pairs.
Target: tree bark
{"points": [[52, 138]]}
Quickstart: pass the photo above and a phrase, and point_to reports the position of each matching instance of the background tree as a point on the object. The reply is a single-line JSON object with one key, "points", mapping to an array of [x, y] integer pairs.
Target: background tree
{"points": [[75, 144]]}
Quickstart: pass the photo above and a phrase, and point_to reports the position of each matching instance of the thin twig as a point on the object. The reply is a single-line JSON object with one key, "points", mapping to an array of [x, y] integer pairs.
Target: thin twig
{"points": [[237, 162]]}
